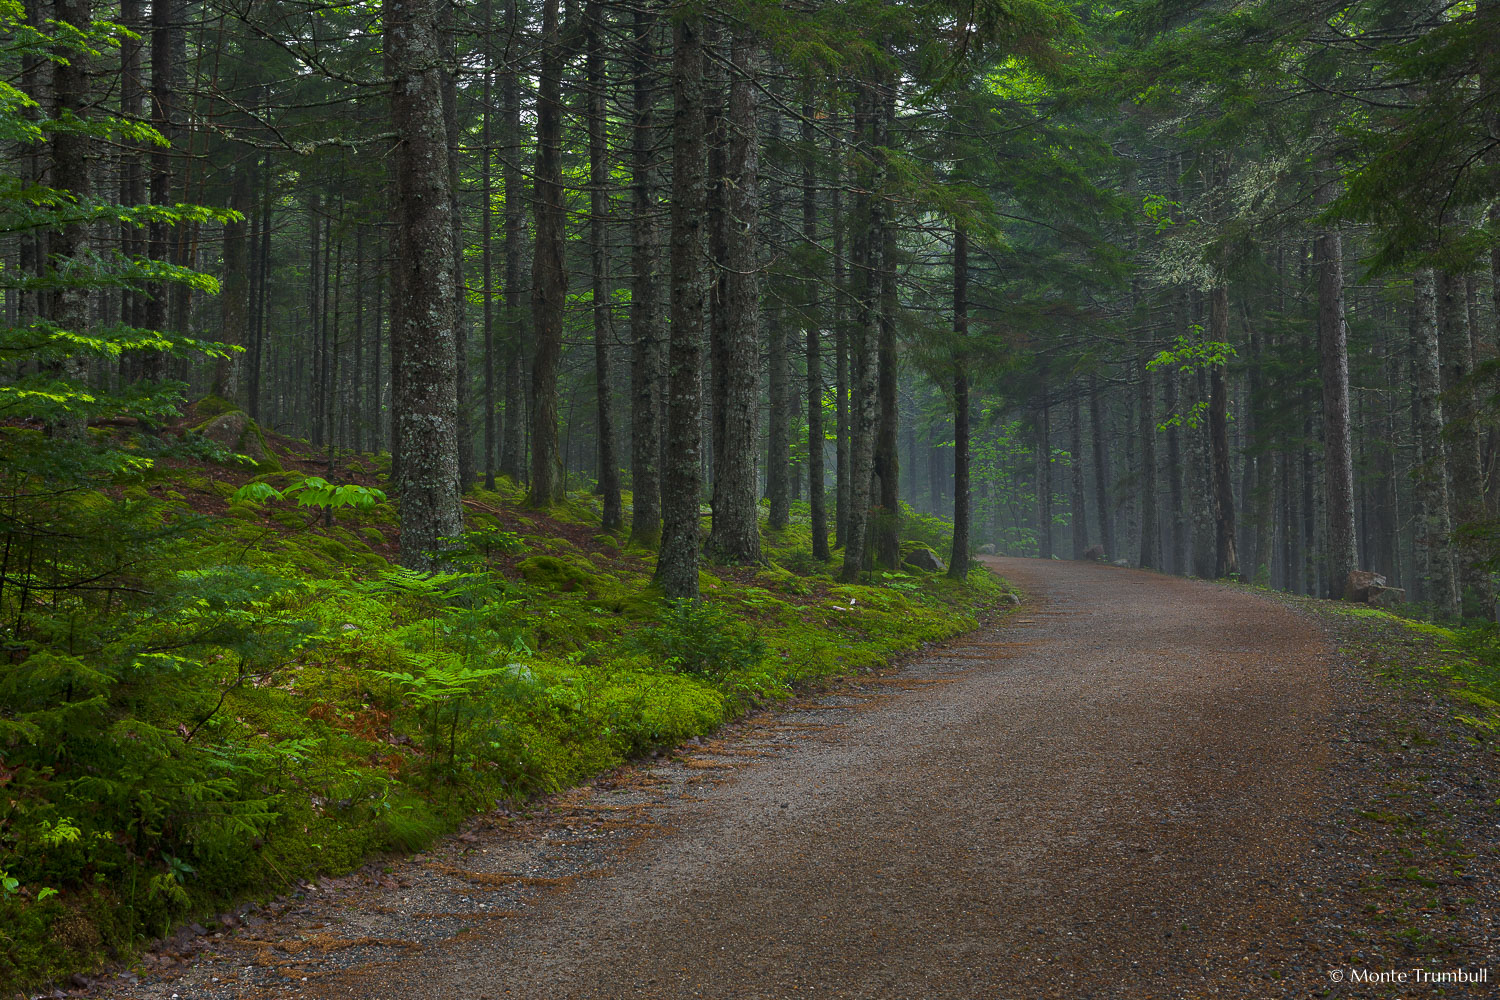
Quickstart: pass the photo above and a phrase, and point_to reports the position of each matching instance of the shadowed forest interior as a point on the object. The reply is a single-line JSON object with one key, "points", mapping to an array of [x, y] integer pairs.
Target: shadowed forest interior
{"points": [[581, 327]]}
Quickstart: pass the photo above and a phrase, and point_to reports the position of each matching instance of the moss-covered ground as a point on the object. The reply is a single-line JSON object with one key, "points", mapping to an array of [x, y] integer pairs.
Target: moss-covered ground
{"points": [[271, 699]]}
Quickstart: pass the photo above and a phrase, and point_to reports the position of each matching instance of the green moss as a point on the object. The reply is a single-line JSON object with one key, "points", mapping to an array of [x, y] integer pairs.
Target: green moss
{"points": [[553, 573]]}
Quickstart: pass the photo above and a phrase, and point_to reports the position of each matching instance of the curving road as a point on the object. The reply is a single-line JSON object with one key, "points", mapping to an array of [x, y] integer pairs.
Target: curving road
{"points": [[1104, 796]]}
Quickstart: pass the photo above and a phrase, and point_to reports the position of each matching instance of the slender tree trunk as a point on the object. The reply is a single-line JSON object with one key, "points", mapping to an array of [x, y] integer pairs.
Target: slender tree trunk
{"points": [[168, 80], [1226, 559], [958, 558], [234, 291], [71, 171], [682, 484], [486, 249], [1466, 474], [840, 361], [421, 304], [1101, 468], [887, 460], [1333, 365], [460, 280], [735, 536], [645, 329], [549, 283], [513, 442], [1150, 543], [1044, 543], [1435, 559], [813, 326], [780, 406], [864, 336], [609, 467], [1175, 500]]}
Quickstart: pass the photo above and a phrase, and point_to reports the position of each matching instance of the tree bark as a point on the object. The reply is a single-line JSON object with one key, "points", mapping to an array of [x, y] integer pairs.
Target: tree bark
{"points": [[1333, 367], [1101, 468], [1150, 543], [234, 291], [1434, 524], [778, 379], [609, 467], [1466, 472], [486, 250], [682, 485], [887, 459], [958, 558], [813, 326], [1044, 544], [735, 536], [512, 442], [1226, 558], [865, 331], [645, 327], [421, 303], [70, 247], [549, 282]]}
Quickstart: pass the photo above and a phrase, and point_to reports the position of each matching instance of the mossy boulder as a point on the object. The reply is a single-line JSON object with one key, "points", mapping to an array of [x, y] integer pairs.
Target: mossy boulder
{"points": [[553, 574], [238, 433]]}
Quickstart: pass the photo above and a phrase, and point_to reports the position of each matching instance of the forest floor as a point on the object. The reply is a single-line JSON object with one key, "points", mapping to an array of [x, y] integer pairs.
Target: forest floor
{"points": [[1139, 786]]}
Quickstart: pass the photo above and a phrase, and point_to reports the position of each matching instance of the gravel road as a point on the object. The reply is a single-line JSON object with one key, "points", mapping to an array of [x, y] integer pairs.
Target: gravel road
{"points": [[1105, 795]]}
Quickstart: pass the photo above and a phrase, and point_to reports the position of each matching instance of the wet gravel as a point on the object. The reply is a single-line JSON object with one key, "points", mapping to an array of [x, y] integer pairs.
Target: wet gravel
{"points": [[1136, 786]]}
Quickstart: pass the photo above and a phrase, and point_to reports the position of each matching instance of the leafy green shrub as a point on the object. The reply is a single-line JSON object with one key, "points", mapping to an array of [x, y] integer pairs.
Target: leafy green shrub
{"points": [[697, 637]]}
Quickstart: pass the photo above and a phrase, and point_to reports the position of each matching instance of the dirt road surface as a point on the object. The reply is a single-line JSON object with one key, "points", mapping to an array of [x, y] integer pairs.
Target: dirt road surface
{"points": [[1105, 795]]}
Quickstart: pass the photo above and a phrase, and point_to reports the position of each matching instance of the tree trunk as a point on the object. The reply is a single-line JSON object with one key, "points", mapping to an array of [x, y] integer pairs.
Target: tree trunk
{"points": [[958, 558], [70, 247], [1466, 474], [1178, 541], [779, 401], [813, 327], [840, 361], [682, 485], [1077, 501], [1101, 468], [549, 282], [1435, 559], [465, 428], [865, 265], [735, 536], [168, 80], [1150, 544], [1226, 559], [1333, 366], [486, 252], [609, 467], [887, 460], [645, 327], [1045, 548], [512, 442], [421, 302], [234, 291]]}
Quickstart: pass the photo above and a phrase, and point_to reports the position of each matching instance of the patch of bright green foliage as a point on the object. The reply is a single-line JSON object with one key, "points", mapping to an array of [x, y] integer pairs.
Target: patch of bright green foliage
{"points": [[196, 708], [1464, 660]]}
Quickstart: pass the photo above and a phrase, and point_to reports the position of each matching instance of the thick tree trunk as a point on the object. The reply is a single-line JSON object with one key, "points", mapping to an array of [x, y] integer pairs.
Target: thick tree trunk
{"points": [[645, 327], [422, 313], [1333, 366], [549, 281], [682, 484], [1101, 468], [1150, 543], [609, 467], [958, 558], [813, 328], [1434, 523], [735, 536], [460, 281], [168, 80]]}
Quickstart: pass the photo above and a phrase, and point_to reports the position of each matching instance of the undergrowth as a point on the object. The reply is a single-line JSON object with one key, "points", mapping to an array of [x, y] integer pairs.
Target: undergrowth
{"points": [[216, 683]]}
